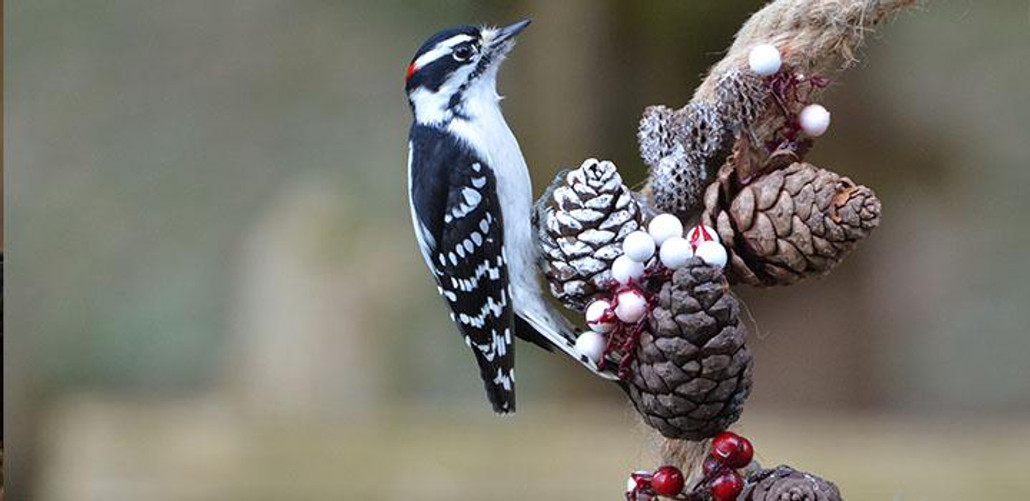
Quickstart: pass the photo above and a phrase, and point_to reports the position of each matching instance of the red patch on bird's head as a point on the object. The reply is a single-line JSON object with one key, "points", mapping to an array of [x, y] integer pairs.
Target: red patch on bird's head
{"points": [[410, 71]]}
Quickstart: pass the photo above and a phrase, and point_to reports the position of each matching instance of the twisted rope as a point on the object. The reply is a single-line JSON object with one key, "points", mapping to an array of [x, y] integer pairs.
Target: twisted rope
{"points": [[814, 36]]}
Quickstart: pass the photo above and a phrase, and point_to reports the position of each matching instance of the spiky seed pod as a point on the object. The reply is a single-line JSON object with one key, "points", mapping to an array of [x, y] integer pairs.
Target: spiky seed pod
{"points": [[742, 97], [660, 134], [704, 131], [787, 224], [581, 222], [784, 483], [677, 185], [692, 370]]}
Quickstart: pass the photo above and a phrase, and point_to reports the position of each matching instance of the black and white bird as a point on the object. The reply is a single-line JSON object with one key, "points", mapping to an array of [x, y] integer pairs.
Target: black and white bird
{"points": [[471, 205]]}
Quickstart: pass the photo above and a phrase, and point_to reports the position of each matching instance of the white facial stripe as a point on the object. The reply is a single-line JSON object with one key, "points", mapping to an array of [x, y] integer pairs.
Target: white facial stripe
{"points": [[442, 49]]}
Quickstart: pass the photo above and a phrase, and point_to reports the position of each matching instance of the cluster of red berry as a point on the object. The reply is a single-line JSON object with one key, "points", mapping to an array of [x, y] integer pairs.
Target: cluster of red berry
{"points": [[722, 482], [730, 452]]}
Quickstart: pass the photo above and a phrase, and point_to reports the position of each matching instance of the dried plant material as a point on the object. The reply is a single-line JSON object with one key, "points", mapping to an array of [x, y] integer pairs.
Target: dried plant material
{"points": [[660, 134], [677, 185], [784, 483], [582, 220], [692, 371], [741, 97], [704, 130], [787, 224]]}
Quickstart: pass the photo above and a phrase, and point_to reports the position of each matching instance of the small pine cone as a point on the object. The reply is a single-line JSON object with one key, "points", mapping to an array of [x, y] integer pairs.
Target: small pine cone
{"points": [[742, 99], [660, 134], [581, 222], [692, 370], [784, 483], [677, 185], [788, 224], [704, 130]]}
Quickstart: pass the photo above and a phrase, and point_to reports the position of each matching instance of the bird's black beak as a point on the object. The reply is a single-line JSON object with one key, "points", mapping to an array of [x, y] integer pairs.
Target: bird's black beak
{"points": [[509, 32]]}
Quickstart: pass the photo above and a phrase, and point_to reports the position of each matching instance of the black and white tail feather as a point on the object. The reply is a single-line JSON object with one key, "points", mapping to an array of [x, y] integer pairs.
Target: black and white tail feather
{"points": [[471, 203]]}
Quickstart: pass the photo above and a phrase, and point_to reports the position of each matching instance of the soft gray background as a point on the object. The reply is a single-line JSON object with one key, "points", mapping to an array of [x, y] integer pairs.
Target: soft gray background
{"points": [[214, 292]]}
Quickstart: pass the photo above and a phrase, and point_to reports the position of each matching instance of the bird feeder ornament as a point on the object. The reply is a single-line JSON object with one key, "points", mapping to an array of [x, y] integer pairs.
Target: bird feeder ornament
{"points": [[734, 202], [730, 200]]}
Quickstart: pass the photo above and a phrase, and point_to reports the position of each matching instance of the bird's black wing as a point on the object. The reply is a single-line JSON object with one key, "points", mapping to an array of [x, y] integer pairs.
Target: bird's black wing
{"points": [[458, 219]]}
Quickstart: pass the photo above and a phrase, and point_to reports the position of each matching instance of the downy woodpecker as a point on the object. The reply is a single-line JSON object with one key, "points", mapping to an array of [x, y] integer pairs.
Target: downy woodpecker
{"points": [[471, 205]]}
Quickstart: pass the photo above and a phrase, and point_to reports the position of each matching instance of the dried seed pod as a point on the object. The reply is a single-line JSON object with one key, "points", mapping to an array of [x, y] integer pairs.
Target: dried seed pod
{"points": [[704, 132], [678, 145], [784, 483], [660, 134], [677, 185], [581, 222], [787, 223], [742, 97], [692, 370]]}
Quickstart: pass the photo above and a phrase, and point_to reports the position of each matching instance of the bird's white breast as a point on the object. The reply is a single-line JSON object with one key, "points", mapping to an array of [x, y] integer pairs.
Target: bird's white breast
{"points": [[486, 132]]}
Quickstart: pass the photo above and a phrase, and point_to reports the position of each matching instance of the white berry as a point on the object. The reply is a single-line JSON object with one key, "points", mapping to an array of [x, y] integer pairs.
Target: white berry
{"points": [[626, 270], [815, 119], [638, 246], [764, 59], [712, 253], [595, 317], [632, 307], [664, 226], [592, 345], [701, 233], [675, 253]]}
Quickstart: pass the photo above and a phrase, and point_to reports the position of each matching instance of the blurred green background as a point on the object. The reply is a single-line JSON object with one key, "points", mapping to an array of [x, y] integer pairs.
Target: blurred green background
{"points": [[214, 292]]}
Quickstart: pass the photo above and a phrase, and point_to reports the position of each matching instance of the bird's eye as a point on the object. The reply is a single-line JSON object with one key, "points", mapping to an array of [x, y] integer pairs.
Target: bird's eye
{"points": [[463, 53]]}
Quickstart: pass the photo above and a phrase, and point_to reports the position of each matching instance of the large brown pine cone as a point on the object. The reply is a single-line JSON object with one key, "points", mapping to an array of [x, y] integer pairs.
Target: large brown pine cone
{"points": [[791, 222], [784, 483], [581, 222], [692, 370]]}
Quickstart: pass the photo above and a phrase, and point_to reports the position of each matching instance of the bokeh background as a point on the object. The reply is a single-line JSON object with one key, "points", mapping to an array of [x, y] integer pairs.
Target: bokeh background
{"points": [[214, 292]]}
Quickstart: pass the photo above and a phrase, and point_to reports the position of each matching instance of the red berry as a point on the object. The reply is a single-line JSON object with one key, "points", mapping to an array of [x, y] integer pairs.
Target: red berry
{"points": [[711, 466], [745, 452], [727, 486], [732, 450], [724, 445], [668, 481]]}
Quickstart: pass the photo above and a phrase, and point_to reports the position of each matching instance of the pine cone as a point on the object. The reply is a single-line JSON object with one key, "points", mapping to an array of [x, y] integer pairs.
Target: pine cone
{"points": [[581, 222], [692, 371], [792, 222], [784, 483]]}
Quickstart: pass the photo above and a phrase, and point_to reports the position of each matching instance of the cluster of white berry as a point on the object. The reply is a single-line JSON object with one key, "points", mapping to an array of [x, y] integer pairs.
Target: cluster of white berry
{"points": [[765, 60], [664, 244]]}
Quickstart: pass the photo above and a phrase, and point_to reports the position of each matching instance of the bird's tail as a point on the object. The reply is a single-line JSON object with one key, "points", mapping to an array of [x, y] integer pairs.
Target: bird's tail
{"points": [[551, 327]]}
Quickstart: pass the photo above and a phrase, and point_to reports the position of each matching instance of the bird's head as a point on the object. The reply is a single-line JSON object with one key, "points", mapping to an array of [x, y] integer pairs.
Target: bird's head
{"points": [[455, 67]]}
